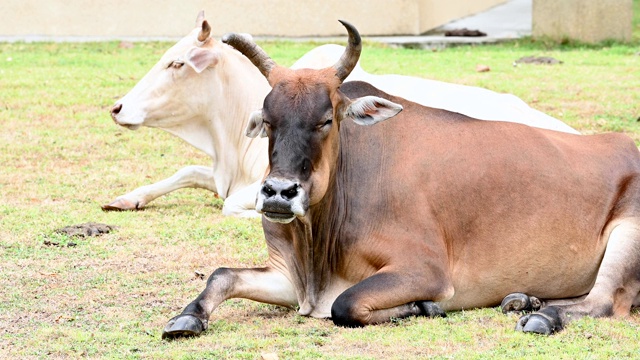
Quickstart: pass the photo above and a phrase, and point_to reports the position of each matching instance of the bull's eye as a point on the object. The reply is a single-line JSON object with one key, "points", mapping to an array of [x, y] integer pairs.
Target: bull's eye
{"points": [[325, 125], [306, 168], [176, 64]]}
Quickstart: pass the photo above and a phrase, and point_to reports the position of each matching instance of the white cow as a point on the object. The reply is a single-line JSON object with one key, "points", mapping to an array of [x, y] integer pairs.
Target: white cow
{"points": [[203, 91]]}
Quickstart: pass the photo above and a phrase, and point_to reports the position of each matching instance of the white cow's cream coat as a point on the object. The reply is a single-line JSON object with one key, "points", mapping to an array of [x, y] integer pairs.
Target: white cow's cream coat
{"points": [[204, 92], [472, 101]]}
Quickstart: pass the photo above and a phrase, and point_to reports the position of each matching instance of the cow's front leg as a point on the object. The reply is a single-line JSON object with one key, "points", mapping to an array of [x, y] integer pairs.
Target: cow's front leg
{"points": [[194, 176], [242, 203], [266, 285], [386, 296]]}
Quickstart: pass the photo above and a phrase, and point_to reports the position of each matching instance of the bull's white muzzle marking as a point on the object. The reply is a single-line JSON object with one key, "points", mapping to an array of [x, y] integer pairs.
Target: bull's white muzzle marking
{"points": [[281, 201]]}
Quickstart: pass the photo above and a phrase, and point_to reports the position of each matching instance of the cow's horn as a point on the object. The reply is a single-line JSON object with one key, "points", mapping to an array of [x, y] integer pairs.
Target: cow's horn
{"points": [[204, 32], [253, 52], [200, 18], [351, 54]]}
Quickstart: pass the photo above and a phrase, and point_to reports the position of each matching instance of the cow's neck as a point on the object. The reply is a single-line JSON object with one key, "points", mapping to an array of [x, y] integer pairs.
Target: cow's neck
{"points": [[238, 89], [322, 240], [314, 253], [242, 90]]}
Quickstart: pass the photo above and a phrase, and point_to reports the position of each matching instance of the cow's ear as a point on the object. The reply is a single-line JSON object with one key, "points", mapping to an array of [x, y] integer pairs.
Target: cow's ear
{"points": [[201, 58], [256, 125], [369, 110]]}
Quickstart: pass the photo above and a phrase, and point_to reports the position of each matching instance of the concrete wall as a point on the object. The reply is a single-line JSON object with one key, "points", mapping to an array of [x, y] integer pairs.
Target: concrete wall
{"points": [[173, 18], [585, 20], [434, 13]]}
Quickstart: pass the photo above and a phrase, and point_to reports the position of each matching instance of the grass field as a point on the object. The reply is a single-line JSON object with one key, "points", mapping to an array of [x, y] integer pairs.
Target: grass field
{"points": [[110, 296]]}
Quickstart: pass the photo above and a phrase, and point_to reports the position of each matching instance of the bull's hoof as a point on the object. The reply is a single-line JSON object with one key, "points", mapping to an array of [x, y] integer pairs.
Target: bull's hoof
{"points": [[183, 326], [430, 309], [518, 302], [122, 205], [540, 323]]}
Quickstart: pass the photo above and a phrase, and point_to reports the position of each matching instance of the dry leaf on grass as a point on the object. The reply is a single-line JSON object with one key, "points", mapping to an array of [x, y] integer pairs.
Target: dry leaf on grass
{"points": [[482, 68]]}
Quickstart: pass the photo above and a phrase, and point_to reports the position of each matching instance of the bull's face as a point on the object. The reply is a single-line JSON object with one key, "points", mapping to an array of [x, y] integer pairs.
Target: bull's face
{"points": [[176, 88], [302, 116]]}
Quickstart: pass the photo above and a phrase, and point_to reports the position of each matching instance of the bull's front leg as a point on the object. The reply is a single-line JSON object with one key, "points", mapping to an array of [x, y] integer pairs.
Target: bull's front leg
{"points": [[242, 203], [267, 285], [388, 295], [194, 176]]}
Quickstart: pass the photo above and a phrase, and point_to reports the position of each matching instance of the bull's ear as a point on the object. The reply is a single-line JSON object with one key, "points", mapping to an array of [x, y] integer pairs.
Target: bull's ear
{"points": [[201, 58], [369, 110], [256, 125]]}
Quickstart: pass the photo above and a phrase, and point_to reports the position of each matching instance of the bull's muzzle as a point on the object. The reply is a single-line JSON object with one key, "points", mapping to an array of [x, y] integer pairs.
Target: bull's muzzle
{"points": [[115, 110], [119, 119], [281, 200]]}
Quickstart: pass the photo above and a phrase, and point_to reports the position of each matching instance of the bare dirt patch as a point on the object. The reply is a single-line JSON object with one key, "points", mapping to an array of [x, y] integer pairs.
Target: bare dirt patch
{"points": [[86, 229]]}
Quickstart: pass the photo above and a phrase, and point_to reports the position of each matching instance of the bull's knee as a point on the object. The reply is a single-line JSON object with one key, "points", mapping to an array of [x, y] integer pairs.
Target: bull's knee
{"points": [[344, 312], [222, 273]]}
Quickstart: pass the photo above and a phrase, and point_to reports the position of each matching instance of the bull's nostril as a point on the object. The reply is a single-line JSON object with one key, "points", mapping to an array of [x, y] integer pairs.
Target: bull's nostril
{"points": [[116, 109], [286, 189], [267, 190], [291, 192]]}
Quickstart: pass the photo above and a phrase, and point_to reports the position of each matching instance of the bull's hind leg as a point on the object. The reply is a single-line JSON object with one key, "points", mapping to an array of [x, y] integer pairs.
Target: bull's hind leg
{"points": [[519, 302], [260, 284], [616, 287]]}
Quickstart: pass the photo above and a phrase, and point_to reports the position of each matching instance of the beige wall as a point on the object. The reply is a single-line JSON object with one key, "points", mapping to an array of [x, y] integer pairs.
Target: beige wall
{"points": [[173, 18], [589, 21], [434, 13]]}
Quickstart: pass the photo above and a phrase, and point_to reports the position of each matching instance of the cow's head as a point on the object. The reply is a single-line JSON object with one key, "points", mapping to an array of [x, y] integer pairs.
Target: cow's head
{"points": [[176, 87], [301, 116]]}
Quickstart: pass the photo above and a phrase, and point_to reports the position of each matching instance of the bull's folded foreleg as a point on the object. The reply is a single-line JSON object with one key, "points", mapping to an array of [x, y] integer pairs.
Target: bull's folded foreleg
{"points": [[387, 296], [614, 292], [266, 285], [194, 176], [242, 203]]}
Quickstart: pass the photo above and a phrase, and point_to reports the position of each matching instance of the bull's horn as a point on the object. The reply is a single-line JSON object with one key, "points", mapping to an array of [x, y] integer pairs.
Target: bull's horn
{"points": [[200, 18], [351, 54], [253, 52], [204, 32]]}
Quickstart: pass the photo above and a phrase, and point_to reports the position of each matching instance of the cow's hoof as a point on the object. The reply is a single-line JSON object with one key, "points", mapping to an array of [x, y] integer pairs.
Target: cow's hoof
{"points": [[121, 205], [518, 302], [183, 326], [430, 309], [539, 323]]}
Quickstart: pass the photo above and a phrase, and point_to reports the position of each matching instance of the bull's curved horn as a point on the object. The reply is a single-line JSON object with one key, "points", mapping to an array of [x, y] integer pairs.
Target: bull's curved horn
{"points": [[205, 31], [200, 18], [351, 54], [253, 52]]}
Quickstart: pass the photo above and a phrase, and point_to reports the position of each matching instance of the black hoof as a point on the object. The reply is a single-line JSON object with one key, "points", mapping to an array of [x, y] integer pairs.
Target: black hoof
{"points": [[183, 326], [545, 322], [430, 309], [518, 302]]}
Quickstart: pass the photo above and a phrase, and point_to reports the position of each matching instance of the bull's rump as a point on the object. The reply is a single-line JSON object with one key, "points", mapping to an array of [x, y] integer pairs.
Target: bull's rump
{"points": [[517, 208]]}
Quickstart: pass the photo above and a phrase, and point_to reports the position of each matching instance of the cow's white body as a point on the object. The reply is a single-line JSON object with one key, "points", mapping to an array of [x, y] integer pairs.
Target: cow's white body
{"points": [[209, 107], [472, 101]]}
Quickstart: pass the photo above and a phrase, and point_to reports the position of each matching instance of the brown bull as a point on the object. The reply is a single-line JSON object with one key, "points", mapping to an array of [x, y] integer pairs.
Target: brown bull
{"points": [[430, 211]]}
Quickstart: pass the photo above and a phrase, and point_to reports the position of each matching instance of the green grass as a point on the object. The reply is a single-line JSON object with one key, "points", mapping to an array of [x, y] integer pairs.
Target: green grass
{"points": [[110, 296]]}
